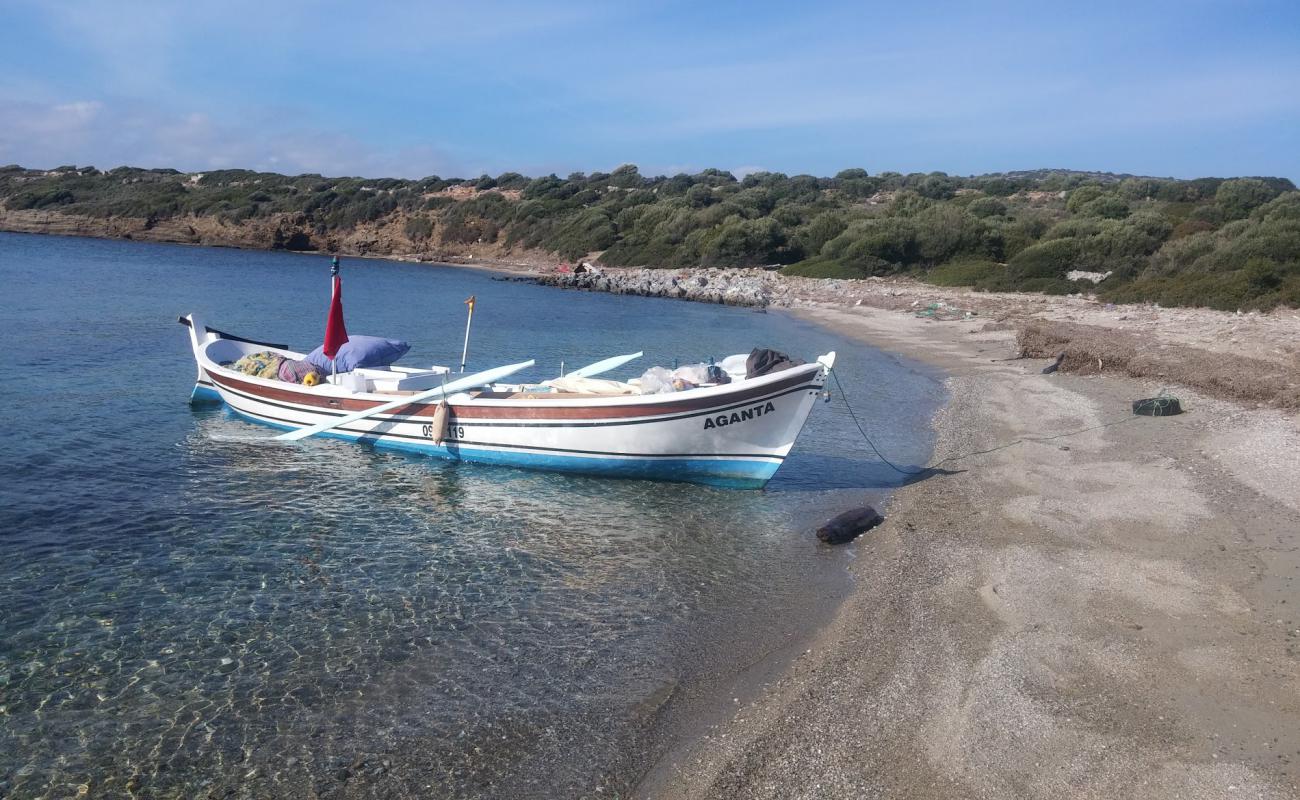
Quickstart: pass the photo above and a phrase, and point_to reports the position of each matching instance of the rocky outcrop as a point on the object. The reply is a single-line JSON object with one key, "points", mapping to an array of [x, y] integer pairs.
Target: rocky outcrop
{"points": [[733, 287], [280, 232], [386, 237]]}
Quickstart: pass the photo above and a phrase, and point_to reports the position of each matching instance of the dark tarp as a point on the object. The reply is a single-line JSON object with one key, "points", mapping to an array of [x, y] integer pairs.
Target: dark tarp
{"points": [[764, 362]]}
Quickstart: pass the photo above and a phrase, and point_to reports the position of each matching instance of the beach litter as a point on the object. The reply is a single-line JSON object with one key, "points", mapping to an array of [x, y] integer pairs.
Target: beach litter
{"points": [[944, 312], [1162, 405]]}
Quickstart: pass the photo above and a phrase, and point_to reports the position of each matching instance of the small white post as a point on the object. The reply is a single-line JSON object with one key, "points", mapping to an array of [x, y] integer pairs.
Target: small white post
{"points": [[464, 353]]}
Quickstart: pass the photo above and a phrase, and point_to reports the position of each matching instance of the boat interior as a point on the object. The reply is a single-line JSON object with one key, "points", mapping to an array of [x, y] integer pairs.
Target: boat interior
{"points": [[398, 381]]}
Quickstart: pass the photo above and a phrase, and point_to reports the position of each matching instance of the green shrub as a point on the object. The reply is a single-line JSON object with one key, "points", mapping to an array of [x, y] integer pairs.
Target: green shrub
{"points": [[964, 273], [1283, 207], [937, 186], [1139, 188], [1044, 285], [870, 245], [1051, 259], [823, 268], [987, 207], [1190, 227], [1240, 196], [418, 229], [582, 233], [945, 231], [1074, 228], [1207, 241], [1107, 206], [1227, 292], [813, 236], [38, 200], [1080, 197], [743, 242]]}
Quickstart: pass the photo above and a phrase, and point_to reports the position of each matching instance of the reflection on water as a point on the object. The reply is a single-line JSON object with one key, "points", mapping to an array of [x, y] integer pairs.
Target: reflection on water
{"points": [[187, 611], [318, 605]]}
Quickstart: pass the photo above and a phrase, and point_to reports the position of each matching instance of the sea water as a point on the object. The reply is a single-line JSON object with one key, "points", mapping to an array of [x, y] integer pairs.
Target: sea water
{"points": [[189, 610]]}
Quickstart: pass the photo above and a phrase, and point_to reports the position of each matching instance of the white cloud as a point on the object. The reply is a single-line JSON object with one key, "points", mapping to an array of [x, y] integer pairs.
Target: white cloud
{"points": [[46, 134]]}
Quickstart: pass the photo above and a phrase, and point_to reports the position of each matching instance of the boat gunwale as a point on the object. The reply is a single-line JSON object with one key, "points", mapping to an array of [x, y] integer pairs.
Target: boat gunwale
{"points": [[661, 403]]}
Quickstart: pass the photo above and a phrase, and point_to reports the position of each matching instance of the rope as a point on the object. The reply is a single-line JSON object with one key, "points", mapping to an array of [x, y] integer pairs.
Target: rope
{"points": [[1162, 405], [1164, 399], [854, 417]]}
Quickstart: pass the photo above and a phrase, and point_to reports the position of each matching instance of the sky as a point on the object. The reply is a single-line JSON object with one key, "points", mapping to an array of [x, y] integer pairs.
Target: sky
{"points": [[1184, 89]]}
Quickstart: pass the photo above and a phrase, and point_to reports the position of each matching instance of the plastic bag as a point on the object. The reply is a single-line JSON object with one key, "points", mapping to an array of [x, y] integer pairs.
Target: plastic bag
{"points": [[656, 380]]}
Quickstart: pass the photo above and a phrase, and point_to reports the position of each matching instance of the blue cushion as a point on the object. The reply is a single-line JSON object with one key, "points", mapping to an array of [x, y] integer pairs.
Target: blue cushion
{"points": [[360, 351]]}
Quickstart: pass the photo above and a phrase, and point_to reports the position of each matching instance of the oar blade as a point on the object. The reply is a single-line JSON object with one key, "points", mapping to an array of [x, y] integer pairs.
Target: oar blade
{"points": [[451, 387], [613, 362]]}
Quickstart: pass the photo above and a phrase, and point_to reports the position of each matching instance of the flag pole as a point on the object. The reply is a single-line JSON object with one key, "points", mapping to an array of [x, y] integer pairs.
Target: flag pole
{"points": [[334, 271], [468, 320]]}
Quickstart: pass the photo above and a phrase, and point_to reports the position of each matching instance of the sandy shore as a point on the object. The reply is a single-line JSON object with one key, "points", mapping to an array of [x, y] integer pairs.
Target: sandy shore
{"points": [[1085, 604]]}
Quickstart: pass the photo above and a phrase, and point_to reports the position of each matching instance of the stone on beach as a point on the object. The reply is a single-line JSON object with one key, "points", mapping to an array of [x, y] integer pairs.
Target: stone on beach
{"points": [[849, 525]]}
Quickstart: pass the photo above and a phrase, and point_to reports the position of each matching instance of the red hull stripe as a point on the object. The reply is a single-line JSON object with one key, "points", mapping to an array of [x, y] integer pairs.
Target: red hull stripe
{"points": [[346, 405]]}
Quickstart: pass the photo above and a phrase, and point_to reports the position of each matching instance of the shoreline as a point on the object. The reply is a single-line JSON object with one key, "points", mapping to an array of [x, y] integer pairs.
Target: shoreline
{"points": [[1109, 612]]}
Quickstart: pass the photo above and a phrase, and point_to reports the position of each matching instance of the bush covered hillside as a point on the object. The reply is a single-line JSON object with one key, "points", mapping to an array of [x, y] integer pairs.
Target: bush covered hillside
{"points": [[1225, 243]]}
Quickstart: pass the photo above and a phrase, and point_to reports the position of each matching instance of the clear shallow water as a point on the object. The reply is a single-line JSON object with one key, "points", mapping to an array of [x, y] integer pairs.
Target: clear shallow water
{"points": [[187, 611]]}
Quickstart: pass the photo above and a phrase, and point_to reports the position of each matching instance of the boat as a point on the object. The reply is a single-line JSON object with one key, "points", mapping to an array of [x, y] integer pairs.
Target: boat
{"points": [[734, 434]]}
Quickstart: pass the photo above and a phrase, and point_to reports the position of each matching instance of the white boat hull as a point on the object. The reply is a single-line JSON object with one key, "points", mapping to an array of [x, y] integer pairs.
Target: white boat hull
{"points": [[733, 435]]}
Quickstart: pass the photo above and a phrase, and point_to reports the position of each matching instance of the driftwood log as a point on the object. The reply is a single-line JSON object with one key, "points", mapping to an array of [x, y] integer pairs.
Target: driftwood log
{"points": [[850, 525]]}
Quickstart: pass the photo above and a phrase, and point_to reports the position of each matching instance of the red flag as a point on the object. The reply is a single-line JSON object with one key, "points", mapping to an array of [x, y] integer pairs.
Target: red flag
{"points": [[336, 335]]}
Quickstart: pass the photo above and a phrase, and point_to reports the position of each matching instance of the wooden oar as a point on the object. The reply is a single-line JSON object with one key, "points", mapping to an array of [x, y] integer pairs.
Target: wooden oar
{"points": [[613, 362], [460, 384]]}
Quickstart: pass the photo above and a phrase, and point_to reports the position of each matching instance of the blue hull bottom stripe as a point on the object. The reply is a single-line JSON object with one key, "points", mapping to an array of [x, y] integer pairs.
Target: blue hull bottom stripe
{"points": [[734, 473], [204, 394]]}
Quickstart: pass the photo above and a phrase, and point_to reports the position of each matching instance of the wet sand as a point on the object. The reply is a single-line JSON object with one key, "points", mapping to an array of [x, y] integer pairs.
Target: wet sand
{"points": [[1085, 603]]}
